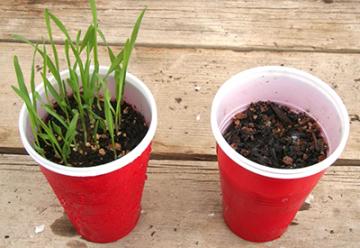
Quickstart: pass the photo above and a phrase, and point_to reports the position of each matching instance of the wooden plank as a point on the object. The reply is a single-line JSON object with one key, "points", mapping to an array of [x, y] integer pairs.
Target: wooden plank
{"points": [[242, 25], [184, 128], [181, 208]]}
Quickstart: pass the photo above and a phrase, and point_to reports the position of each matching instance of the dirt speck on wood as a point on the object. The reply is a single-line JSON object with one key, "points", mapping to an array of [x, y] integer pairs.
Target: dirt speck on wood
{"points": [[354, 117]]}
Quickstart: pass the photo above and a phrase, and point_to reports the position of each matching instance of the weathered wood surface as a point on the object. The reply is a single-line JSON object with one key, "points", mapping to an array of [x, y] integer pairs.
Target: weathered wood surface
{"points": [[192, 76], [186, 50], [181, 208], [313, 25]]}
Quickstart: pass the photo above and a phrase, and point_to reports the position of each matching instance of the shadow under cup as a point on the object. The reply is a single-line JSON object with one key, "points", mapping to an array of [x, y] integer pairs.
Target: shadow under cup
{"points": [[259, 202]]}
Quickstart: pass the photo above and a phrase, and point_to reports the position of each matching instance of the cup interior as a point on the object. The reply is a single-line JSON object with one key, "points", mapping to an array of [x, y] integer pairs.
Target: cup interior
{"points": [[135, 93], [296, 89]]}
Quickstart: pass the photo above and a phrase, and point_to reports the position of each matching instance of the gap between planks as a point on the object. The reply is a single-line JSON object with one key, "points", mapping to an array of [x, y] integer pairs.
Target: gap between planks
{"points": [[262, 23], [304, 49], [164, 157]]}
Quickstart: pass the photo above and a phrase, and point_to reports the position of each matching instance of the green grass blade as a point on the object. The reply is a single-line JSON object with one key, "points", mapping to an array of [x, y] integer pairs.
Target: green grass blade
{"points": [[80, 64], [23, 96], [45, 138], [43, 74], [51, 137], [95, 24], [70, 135], [93, 11], [55, 72], [95, 131], [60, 25], [63, 29], [78, 40], [57, 129], [71, 131], [88, 35], [108, 114], [32, 82], [23, 93], [39, 150], [136, 28], [67, 54], [73, 81], [23, 39], [47, 61], [110, 51], [127, 51], [115, 63], [20, 77], [32, 113], [121, 77], [59, 118], [60, 100], [109, 119], [48, 26]]}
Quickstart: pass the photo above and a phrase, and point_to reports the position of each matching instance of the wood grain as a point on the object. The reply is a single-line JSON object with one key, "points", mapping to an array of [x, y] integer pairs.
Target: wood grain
{"points": [[185, 51], [181, 208], [192, 76], [239, 25]]}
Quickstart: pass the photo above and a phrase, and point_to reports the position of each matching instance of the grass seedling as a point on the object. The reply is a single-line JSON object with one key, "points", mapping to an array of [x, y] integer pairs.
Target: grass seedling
{"points": [[73, 103]]}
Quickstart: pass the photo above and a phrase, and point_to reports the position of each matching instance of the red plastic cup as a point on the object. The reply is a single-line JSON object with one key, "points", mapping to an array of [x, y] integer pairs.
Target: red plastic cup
{"points": [[102, 202], [259, 202]]}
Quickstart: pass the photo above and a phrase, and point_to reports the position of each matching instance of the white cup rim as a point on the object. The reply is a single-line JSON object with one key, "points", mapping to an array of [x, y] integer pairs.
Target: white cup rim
{"points": [[275, 172], [100, 169]]}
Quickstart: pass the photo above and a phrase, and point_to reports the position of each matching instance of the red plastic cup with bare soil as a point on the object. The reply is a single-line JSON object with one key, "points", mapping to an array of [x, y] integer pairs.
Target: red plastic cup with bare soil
{"points": [[277, 131]]}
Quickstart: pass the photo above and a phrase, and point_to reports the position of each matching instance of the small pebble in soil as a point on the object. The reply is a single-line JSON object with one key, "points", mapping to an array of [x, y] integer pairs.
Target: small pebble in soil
{"points": [[102, 152], [276, 136], [118, 146], [288, 160]]}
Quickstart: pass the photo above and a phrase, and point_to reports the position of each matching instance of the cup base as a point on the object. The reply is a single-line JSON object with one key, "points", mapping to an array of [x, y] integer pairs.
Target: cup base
{"points": [[114, 239], [250, 236]]}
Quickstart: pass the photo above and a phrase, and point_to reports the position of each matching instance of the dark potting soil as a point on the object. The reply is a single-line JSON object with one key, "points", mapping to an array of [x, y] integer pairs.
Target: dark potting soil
{"points": [[100, 150], [273, 135]]}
